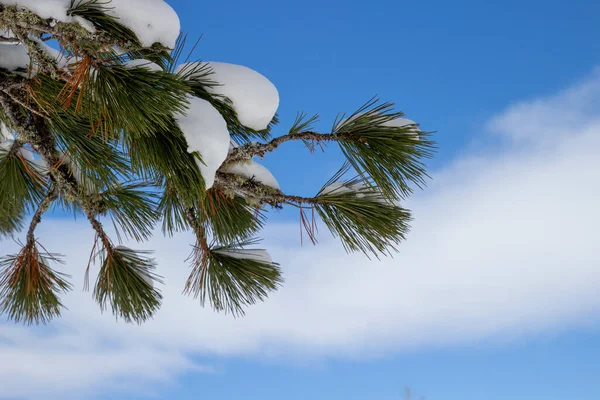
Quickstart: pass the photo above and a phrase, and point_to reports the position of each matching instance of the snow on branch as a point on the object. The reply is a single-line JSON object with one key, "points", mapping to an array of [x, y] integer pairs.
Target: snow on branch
{"points": [[252, 170], [206, 132], [153, 21], [107, 126], [253, 97]]}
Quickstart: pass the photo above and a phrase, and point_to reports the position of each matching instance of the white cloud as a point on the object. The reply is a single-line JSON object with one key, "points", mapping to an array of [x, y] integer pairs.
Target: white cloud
{"points": [[558, 116], [503, 245]]}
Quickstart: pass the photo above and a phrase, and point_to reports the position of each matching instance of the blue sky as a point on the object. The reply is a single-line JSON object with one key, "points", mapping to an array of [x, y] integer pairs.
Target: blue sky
{"points": [[448, 65], [494, 296]]}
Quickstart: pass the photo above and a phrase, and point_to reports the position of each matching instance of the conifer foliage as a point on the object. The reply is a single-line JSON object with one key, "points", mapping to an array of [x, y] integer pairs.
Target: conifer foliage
{"points": [[99, 116]]}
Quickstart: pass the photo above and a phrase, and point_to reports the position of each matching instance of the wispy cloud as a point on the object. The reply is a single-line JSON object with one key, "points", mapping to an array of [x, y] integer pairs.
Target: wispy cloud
{"points": [[503, 245]]}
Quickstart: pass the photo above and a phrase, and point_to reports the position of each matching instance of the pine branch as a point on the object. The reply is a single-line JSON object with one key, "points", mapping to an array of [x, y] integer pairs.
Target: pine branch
{"points": [[229, 218], [11, 220], [132, 208], [172, 211], [164, 158], [363, 219], [43, 62], [250, 150], [21, 187], [24, 20], [256, 192], [29, 288], [51, 196], [389, 154], [10, 81], [126, 282], [200, 254], [231, 277], [121, 281], [11, 110], [29, 107], [9, 40], [106, 132], [94, 11], [42, 140], [356, 211], [39, 137], [127, 298], [96, 163], [199, 78], [115, 100], [378, 149]]}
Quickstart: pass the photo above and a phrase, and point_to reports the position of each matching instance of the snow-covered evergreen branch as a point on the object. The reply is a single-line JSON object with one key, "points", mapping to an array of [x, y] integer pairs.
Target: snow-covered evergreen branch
{"points": [[253, 149], [98, 116]]}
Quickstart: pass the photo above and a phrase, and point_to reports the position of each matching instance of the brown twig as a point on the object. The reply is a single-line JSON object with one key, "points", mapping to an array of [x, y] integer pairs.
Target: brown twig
{"points": [[21, 103], [45, 204], [250, 150]]}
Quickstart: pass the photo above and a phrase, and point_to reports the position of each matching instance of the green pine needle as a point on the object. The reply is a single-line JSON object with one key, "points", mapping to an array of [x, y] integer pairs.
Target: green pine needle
{"points": [[114, 100], [98, 159], [29, 288], [136, 100], [126, 283], [172, 210], [164, 158], [391, 156], [303, 124], [21, 188], [230, 219], [361, 216], [232, 277], [94, 11], [115, 150], [199, 77], [11, 219], [132, 207]]}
